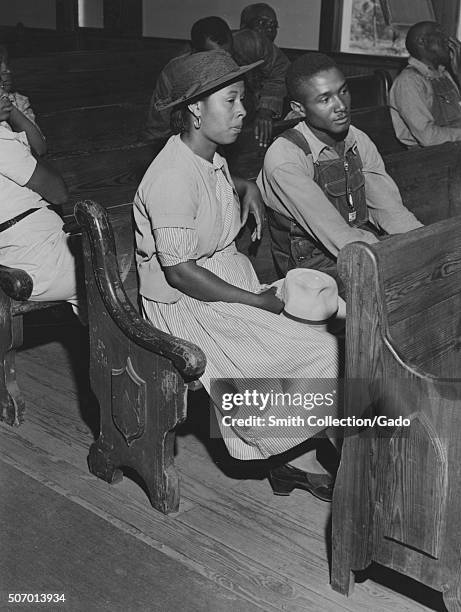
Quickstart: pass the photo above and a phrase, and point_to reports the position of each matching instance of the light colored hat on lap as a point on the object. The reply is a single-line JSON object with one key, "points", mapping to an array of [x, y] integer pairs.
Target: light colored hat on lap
{"points": [[311, 297]]}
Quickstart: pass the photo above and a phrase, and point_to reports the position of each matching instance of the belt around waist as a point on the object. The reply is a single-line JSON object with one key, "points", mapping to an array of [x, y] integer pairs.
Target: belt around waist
{"points": [[7, 224]]}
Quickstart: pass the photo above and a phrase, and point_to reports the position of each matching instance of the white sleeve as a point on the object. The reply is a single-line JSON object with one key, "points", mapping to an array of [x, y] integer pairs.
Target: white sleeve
{"points": [[16, 160]]}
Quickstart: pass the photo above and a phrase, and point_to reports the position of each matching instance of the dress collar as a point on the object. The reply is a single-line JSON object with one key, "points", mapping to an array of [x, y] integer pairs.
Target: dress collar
{"points": [[217, 163]]}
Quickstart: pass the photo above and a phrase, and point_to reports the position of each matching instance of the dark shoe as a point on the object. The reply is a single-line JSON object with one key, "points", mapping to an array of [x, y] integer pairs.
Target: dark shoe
{"points": [[285, 478]]}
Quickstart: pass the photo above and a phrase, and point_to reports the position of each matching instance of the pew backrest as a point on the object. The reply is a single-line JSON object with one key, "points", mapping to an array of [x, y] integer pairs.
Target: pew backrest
{"points": [[429, 180], [98, 128], [407, 291], [76, 79], [376, 122], [112, 175], [369, 89]]}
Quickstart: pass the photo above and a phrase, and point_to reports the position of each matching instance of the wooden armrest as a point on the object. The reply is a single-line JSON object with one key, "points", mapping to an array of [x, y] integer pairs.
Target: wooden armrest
{"points": [[16, 283], [186, 357]]}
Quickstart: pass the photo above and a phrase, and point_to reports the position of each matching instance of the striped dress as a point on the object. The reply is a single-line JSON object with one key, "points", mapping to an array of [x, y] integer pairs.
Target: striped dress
{"points": [[246, 348]]}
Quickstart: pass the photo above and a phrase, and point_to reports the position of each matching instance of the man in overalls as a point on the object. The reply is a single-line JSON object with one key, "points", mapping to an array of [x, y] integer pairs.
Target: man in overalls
{"points": [[324, 182], [425, 99]]}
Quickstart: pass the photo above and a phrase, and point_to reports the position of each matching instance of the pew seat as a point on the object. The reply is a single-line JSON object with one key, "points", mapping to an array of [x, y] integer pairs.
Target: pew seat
{"points": [[398, 490], [138, 373]]}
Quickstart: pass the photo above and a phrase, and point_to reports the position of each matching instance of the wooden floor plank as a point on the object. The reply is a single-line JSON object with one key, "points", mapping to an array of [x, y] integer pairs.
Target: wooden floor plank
{"points": [[87, 559], [213, 560]]}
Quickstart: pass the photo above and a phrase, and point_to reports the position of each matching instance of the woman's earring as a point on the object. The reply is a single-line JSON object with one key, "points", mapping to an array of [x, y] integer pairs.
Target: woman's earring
{"points": [[197, 122]]}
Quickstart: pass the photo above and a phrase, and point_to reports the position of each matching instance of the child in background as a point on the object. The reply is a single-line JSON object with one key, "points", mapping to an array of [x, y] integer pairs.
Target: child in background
{"points": [[6, 87]]}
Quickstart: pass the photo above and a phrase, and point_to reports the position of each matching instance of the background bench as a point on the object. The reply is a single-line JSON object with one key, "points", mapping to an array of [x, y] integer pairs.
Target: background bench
{"points": [[77, 79], [396, 499]]}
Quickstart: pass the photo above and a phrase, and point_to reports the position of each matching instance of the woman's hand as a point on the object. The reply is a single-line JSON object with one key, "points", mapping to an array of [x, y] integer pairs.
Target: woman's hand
{"points": [[202, 284], [267, 300]]}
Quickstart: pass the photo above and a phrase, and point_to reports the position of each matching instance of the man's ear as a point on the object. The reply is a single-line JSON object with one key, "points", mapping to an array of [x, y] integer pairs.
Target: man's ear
{"points": [[298, 108]]}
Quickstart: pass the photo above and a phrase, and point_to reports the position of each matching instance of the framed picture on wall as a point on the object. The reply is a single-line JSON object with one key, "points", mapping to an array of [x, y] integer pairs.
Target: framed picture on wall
{"points": [[398, 13]]}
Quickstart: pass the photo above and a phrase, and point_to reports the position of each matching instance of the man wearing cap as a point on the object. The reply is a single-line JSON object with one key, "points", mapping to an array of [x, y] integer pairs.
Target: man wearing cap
{"points": [[324, 182]]}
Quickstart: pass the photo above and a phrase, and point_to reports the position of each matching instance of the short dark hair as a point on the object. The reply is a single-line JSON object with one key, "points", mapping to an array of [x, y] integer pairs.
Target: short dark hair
{"points": [[303, 68], [251, 13], [209, 28], [414, 33], [180, 120]]}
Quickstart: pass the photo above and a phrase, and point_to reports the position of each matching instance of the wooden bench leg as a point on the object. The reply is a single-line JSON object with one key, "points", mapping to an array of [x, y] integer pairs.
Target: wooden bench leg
{"points": [[101, 464], [139, 411], [12, 403]]}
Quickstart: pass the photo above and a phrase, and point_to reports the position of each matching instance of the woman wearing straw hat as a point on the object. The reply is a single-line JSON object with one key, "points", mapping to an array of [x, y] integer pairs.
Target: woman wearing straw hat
{"points": [[195, 284]]}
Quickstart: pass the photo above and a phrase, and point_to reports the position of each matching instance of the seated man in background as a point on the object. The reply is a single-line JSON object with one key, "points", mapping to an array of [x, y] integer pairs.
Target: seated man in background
{"points": [[265, 91], [31, 236], [425, 99], [262, 19], [323, 181]]}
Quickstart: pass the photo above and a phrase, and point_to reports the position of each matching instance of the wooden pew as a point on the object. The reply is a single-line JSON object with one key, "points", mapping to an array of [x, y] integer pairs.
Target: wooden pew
{"points": [[112, 175], [369, 89], [377, 123], [429, 180], [96, 128], [397, 495], [137, 372], [76, 79], [15, 289]]}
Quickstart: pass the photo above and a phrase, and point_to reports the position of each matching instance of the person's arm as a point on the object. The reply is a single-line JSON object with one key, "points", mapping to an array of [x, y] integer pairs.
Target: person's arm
{"points": [[273, 69], [251, 202], [158, 122], [20, 123], [289, 188], [201, 284], [411, 97], [18, 164], [249, 47], [47, 182], [455, 57], [383, 197]]}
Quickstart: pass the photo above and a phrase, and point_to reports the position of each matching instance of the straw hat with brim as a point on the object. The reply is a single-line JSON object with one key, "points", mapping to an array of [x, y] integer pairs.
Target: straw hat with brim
{"points": [[311, 297], [201, 73]]}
